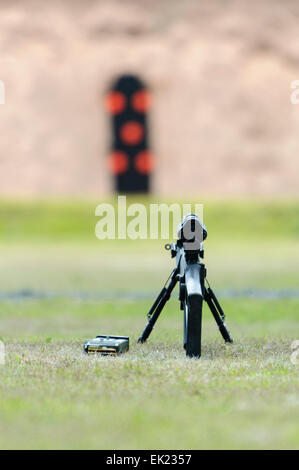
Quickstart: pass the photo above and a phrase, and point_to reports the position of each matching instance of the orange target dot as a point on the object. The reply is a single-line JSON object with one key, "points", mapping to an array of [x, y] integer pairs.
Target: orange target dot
{"points": [[144, 162], [115, 102], [118, 162], [141, 101], [131, 132]]}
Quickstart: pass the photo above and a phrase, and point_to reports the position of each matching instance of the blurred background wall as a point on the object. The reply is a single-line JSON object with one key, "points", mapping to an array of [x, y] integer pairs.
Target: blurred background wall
{"points": [[220, 73]]}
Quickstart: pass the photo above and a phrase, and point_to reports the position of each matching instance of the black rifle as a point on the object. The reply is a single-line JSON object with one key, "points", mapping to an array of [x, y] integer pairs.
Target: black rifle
{"points": [[191, 274]]}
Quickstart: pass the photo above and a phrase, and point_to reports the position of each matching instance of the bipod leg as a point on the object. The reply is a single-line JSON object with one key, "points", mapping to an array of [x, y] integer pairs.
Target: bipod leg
{"points": [[158, 305], [217, 313]]}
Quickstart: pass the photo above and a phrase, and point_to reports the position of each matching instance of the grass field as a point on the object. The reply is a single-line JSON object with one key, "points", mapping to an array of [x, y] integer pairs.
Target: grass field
{"points": [[60, 285]]}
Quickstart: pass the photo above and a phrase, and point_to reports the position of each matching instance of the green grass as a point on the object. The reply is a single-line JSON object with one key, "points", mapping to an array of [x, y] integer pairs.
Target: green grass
{"points": [[45, 221], [240, 396]]}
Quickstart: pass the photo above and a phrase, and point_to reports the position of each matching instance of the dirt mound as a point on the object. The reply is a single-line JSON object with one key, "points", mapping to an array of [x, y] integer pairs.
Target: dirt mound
{"points": [[220, 73]]}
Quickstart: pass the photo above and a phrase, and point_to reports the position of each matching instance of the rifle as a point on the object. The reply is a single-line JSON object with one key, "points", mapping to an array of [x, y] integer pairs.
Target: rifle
{"points": [[191, 273]]}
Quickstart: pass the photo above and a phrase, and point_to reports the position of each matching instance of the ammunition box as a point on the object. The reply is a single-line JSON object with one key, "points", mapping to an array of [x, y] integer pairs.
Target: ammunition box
{"points": [[107, 345]]}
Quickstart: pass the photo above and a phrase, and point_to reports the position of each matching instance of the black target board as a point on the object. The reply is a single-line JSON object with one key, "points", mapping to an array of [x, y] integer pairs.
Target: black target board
{"points": [[130, 160]]}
